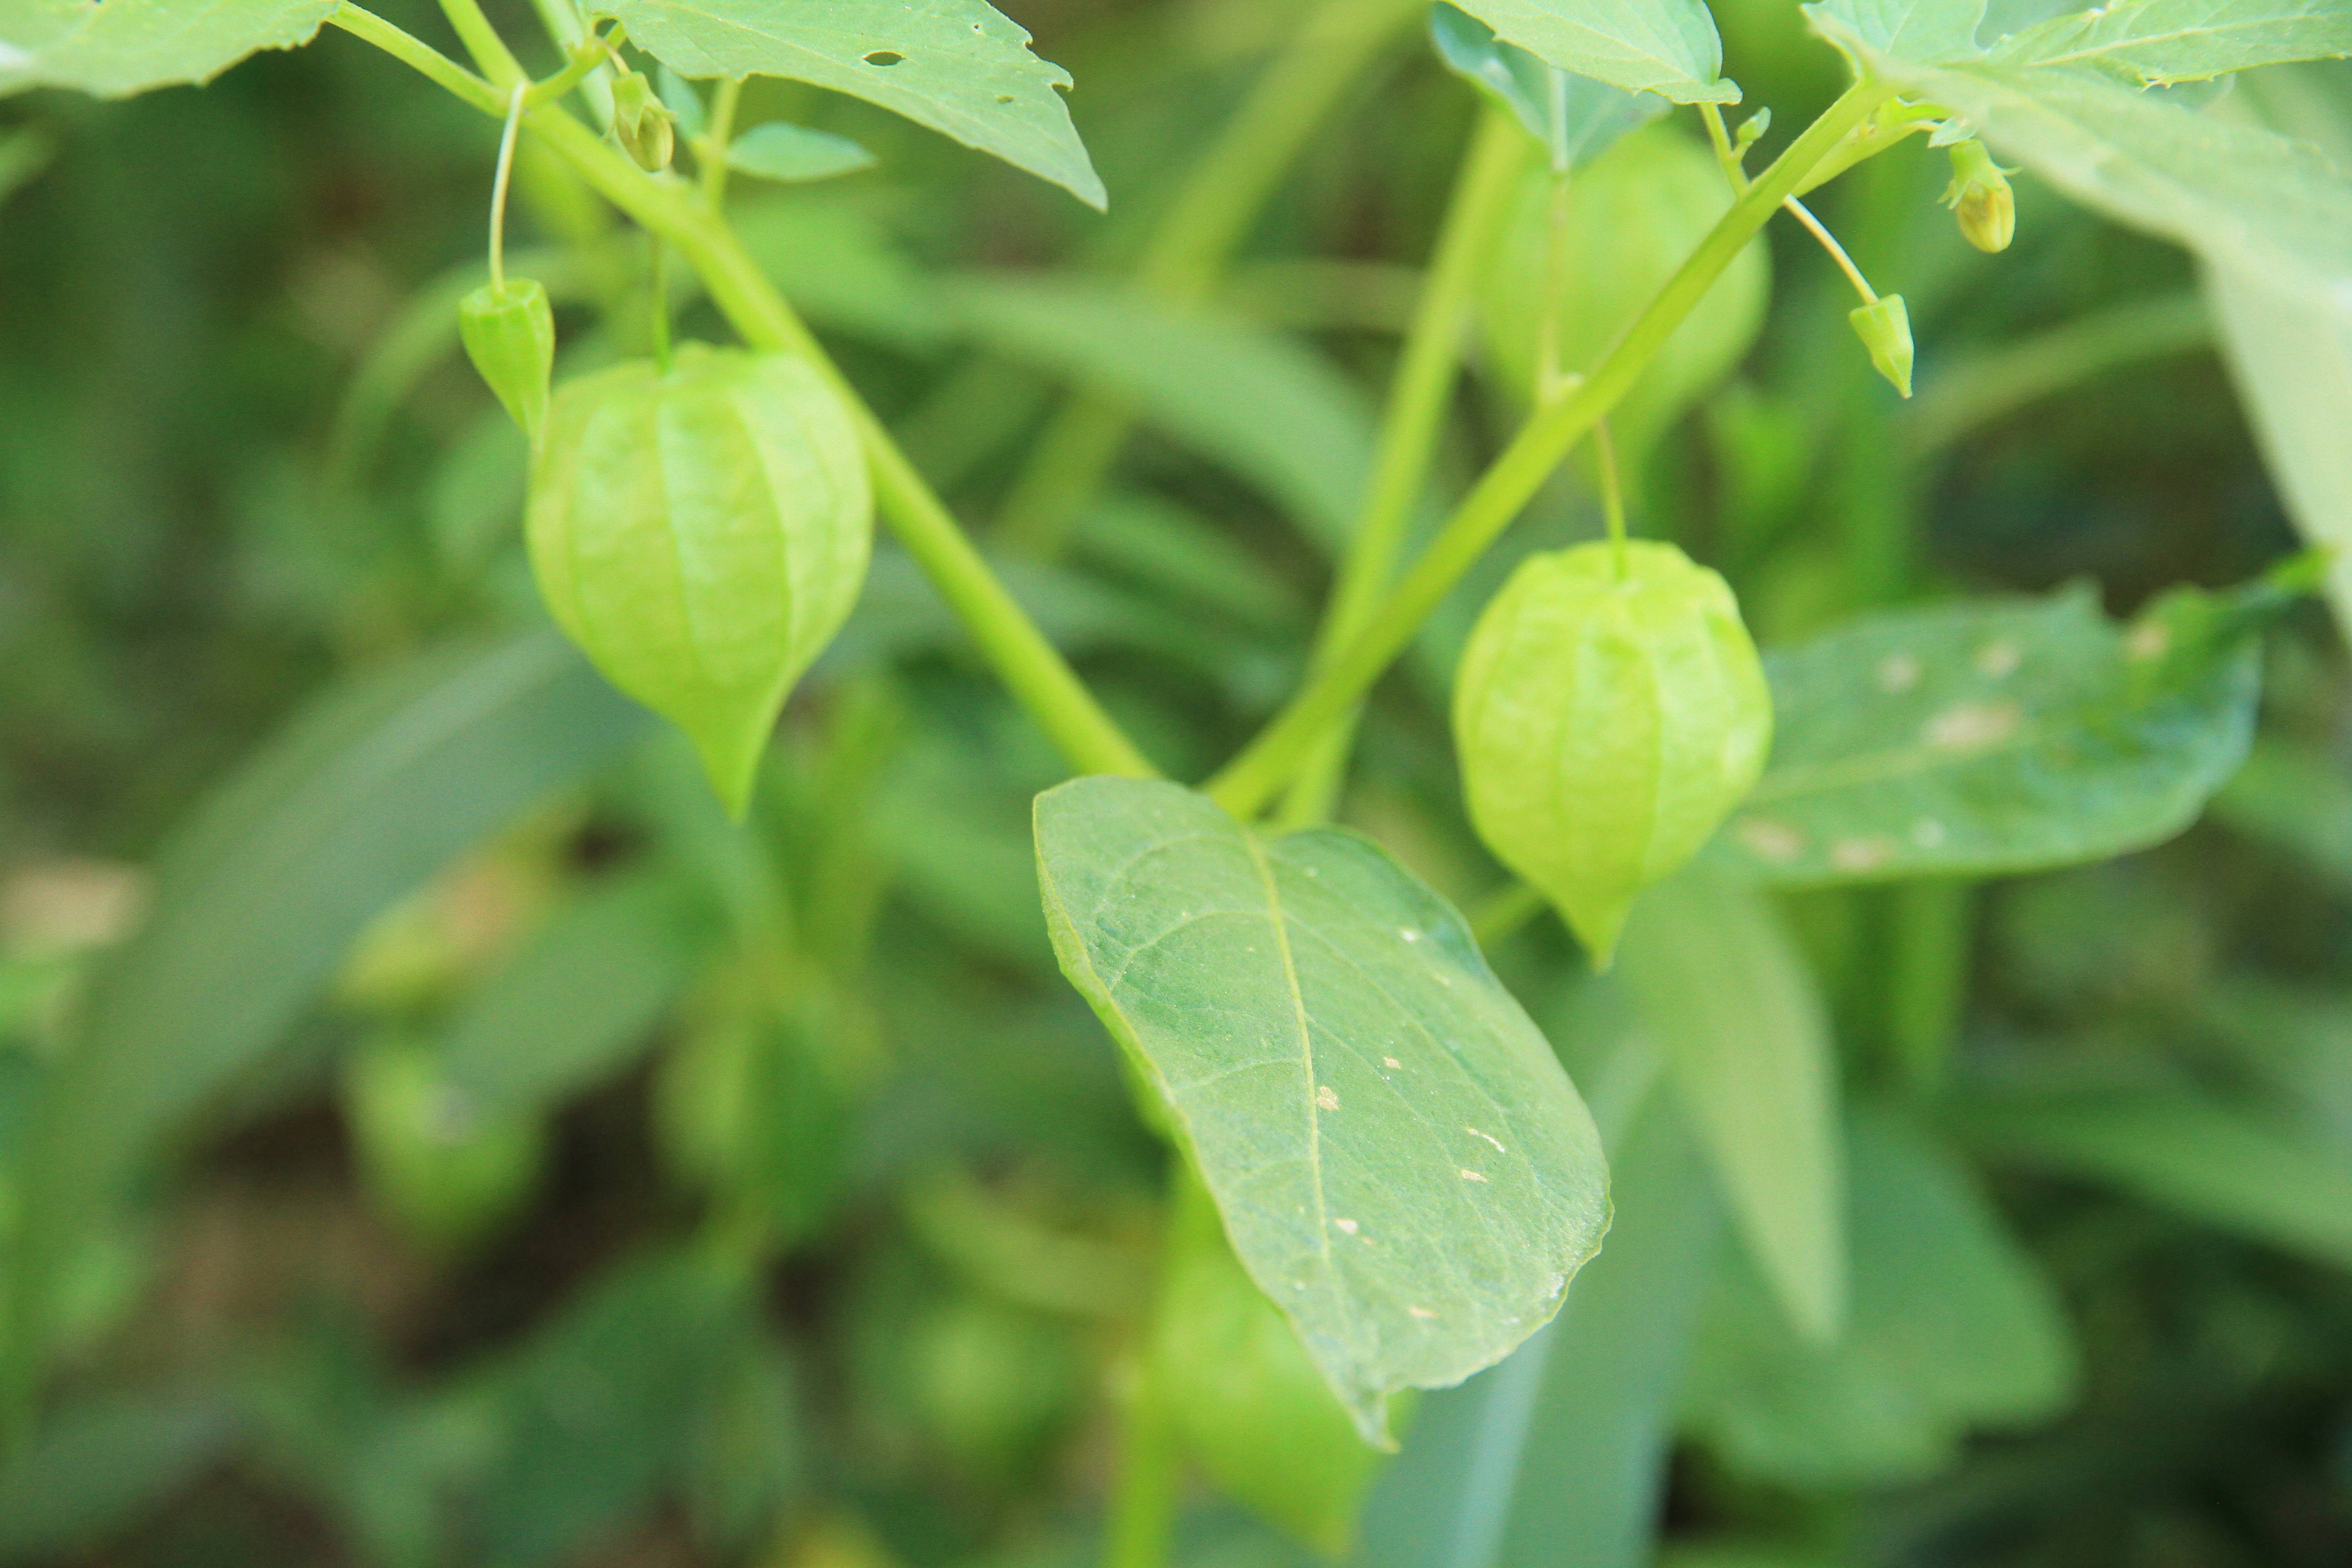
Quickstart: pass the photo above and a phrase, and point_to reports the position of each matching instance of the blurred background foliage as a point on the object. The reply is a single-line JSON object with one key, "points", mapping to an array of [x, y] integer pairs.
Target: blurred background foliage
{"points": [[484, 1153]]}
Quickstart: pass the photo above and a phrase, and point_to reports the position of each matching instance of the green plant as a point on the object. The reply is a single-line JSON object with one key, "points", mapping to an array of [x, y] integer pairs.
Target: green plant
{"points": [[1393, 1132]]}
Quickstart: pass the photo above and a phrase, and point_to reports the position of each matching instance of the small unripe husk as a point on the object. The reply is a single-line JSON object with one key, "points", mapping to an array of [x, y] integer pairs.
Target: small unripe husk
{"points": [[1607, 724], [1884, 328], [509, 335]]}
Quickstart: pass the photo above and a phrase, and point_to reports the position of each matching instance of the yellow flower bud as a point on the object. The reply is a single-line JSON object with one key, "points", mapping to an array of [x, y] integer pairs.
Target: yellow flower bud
{"points": [[1980, 196]]}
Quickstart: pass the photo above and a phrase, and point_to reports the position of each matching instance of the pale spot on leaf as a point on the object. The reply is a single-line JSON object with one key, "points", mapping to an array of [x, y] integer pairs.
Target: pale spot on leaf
{"points": [[1475, 1133], [1972, 726], [1327, 1097], [1898, 672], [1769, 840], [1861, 854], [1998, 660], [1421, 1312], [1347, 1224], [1927, 832], [1407, 933], [2147, 641], [1470, 1175], [1391, 1062]]}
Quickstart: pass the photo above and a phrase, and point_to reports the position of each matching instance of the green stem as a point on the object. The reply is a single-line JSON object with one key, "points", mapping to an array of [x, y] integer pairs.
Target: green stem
{"points": [[1150, 1463], [569, 28], [1269, 761], [1196, 236], [657, 301], [418, 55], [1613, 492], [498, 191], [1039, 679], [1821, 232], [710, 148], [1418, 399], [490, 53]]}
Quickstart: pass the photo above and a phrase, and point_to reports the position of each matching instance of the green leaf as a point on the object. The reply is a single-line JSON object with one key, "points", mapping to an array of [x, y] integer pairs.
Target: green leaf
{"points": [[1274, 412], [1924, 32], [1575, 118], [1558, 1454], [794, 152], [1402, 1165], [1257, 1416], [602, 1405], [97, 1467], [1992, 737], [2238, 194], [957, 66], [1667, 47], [351, 808], [577, 1004], [1953, 1328], [2158, 42], [1727, 1000], [2230, 1167], [25, 152], [124, 47]]}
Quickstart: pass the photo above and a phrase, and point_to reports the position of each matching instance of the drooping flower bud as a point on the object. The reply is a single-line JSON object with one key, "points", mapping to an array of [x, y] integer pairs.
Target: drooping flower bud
{"points": [[1607, 723], [1884, 328], [509, 335], [1980, 197], [641, 122]]}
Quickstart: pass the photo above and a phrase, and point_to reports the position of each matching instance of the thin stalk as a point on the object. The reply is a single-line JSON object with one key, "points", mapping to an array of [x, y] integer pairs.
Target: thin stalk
{"points": [[1143, 1495], [585, 61], [710, 148], [1032, 669], [1271, 760], [657, 301], [1613, 492], [1418, 399], [499, 190], [1726, 154], [1194, 238], [1837, 252], [569, 28]]}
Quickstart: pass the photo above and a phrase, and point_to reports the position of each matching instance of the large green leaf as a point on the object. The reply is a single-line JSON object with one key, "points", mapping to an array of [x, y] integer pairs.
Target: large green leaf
{"points": [[2154, 42], [1400, 1163], [576, 1004], [1274, 413], [1953, 1328], [98, 1466], [353, 806], [1997, 736], [1576, 118], [1667, 47], [959, 67], [2288, 342], [1924, 31], [2231, 1167], [124, 47], [1726, 999], [1558, 1454]]}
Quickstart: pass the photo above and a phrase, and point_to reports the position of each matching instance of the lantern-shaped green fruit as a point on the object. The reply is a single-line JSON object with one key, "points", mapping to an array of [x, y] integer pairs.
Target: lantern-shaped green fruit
{"points": [[509, 331], [1608, 722], [701, 533], [1630, 218]]}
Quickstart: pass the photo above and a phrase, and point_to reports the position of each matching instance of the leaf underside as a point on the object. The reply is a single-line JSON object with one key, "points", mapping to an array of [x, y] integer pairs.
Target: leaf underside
{"points": [[1400, 1163], [124, 47]]}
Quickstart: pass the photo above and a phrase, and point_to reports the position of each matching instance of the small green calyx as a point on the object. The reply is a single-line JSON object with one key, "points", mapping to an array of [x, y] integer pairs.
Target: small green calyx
{"points": [[641, 123], [701, 533], [1981, 198], [509, 331], [1607, 724], [1884, 328]]}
